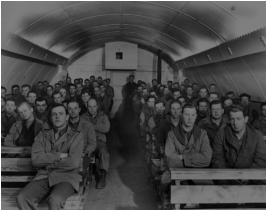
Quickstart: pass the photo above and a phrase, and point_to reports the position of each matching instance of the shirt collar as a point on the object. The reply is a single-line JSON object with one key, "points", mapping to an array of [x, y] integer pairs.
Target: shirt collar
{"points": [[75, 121], [61, 132]]}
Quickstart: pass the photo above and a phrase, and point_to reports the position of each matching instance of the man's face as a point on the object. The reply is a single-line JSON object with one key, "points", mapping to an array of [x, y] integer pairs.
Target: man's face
{"points": [[108, 81], [63, 92], [263, 111], [154, 83], [213, 97], [57, 88], [182, 87], [25, 112], [175, 110], [76, 81], [31, 98], [45, 84], [68, 80], [159, 108], [41, 107], [92, 79], [95, 84], [87, 83], [81, 81], [85, 97], [145, 93], [140, 89], [10, 107], [189, 91], [176, 85], [3, 105], [176, 94], [169, 84], [161, 89], [49, 91], [217, 111], [99, 80], [73, 109], [230, 96], [97, 91], [238, 121], [105, 83], [79, 87], [72, 90], [166, 91], [152, 93], [203, 93], [24, 91], [15, 91], [182, 101], [244, 101], [59, 117], [102, 89], [227, 103], [92, 107], [195, 87], [39, 86], [151, 102], [202, 107], [61, 83], [212, 88], [143, 85], [58, 98], [189, 117], [3, 93], [131, 79], [186, 82]]}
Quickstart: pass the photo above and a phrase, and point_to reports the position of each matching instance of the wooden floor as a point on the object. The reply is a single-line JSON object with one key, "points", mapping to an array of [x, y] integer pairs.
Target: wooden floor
{"points": [[128, 186]]}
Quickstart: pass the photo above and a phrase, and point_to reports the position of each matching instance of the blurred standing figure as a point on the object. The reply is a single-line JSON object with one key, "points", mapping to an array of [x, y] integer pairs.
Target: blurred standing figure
{"points": [[129, 89]]}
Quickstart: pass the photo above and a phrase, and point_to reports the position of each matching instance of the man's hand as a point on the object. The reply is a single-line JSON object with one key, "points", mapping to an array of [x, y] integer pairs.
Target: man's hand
{"points": [[63, 155]]}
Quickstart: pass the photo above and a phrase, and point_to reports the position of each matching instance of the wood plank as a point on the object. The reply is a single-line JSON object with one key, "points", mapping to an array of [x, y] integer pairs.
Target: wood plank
{"points": [[15, 150], [220, 174], [218, 194], [17, 164]]}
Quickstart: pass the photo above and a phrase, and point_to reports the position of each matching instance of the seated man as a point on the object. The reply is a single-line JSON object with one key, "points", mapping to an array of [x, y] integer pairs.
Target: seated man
{"points": [[83, 126], [203, 93], [41, 112], [85, 97], [260, 123], [49, 96], [22, 133], [187, 145], [189, 94], [57, 153], [182, 100], [101, 125], [239, 145], [155, 121], [31, 97], [166, 95], [102, 101], [250, 112], [202, 107], [169, 123], [176, 94], [215, 121], [147, 113], [9, 117], [16, 96]]}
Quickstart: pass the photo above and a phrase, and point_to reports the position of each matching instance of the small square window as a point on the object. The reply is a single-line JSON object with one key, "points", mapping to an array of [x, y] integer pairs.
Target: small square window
{"points": [[119, 56]]}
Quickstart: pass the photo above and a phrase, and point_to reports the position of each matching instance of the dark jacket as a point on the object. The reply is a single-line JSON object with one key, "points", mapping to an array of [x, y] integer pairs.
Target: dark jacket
{"points": [[155, 121], [100, 123], [16, 130], [260, 124], [211, 128], [6, 123], [46, 156], [104, 103], [227, 154]]}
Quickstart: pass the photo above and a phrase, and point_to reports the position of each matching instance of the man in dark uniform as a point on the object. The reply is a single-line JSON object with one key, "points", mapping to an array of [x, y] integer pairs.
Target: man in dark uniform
{"points": [[18, 98], [57, 153], [41, 112], [129, 89]]}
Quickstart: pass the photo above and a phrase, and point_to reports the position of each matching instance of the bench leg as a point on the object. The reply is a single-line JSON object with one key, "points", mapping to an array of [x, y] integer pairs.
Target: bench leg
{"points": [[177, 206]]}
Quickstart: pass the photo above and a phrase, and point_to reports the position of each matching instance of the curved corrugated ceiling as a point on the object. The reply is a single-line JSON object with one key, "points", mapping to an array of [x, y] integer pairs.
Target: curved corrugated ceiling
{"points": [[180, 29]]}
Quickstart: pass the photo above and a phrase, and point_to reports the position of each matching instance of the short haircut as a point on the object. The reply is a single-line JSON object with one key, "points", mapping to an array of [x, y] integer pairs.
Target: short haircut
{"points": [[24, 102], [26, 85], [40, 99], [154, 80], [162, 86], [175, 101], [177, 90], [144, 88], [189, 106], [214, 102], [76, 79], [40, 82], [84, 91], [72, 101], [100, 77], [87, 80], [229, 99], [57, 93], [158, 102], [10, 99], [108, 79], [2, 87], [45, 81], [73, 85], [165, 88], [205, 100], [92, 76], [50, 87], [96, 81], [151, 97], [152, 91], [212, 85], [181, 97], [262, 104], [101, 85], [230, 93], [144, 83], [214, 94], [94, 100], [189, 86], [55, 105], [169, 81], [80, 79], [57, 84], [96, 87], [31, 92], [236, 108], [15, 86], [68, 78], [63, 88], [176, 83], [131, 76], [204, 87], [245, 95], [194, 84]]}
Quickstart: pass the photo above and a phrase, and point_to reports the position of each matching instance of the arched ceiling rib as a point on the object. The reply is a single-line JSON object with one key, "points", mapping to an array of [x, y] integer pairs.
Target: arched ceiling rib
{"points": [[179, 29]]}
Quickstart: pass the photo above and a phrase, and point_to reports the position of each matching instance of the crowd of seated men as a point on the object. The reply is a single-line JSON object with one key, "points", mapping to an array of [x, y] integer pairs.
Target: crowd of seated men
{"points": [[62, 124], [201, 129]]}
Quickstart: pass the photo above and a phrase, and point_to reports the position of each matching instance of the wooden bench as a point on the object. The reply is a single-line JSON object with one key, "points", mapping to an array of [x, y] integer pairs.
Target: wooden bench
{"points": [[19, 171], [217, 194]]}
